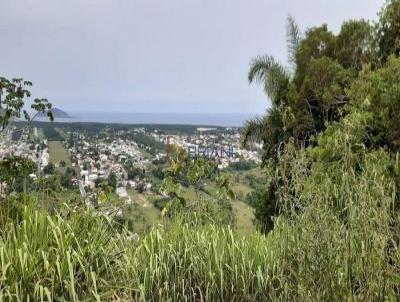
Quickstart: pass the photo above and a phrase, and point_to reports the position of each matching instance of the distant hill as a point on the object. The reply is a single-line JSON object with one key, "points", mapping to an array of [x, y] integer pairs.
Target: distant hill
{"points": [[57, 113]]}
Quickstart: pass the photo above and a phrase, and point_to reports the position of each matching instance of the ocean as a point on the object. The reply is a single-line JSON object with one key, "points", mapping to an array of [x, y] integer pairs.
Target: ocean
{"points": [[209, 119]]}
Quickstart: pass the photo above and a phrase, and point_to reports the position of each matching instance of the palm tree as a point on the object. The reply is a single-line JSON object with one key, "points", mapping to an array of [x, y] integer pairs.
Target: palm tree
{"points": [[265, 70], [270, 128], [293, 39]]}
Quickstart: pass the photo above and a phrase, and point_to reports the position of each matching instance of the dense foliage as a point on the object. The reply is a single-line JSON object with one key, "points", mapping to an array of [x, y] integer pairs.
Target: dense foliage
{"points": [[333, 80], [50, 132]]}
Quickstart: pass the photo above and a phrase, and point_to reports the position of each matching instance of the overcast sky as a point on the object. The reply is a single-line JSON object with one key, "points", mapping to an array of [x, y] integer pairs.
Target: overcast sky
{"points": [[154, 55]]}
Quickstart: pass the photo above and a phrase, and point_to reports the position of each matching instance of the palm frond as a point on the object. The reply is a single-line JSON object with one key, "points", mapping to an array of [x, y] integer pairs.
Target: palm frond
{"points": [[293, 38], [253, 130], [268, 127], [264, 69]]}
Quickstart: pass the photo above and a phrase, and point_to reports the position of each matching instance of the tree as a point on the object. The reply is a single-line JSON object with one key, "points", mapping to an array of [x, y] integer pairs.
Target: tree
{"points": [[158, 172], [293, 39], [140, 187], [66, 178], [355, 44], [273, 76], [183, 171], [15, 169], [134, 172], [388, 30], [49, 186], [12, 95], [269, 130], [86, 166], [70, 171], [275, 79], [350, 78], [323, 91], [306, 99], [12, 100], [378, 92], [49, 169], [112, 181]]}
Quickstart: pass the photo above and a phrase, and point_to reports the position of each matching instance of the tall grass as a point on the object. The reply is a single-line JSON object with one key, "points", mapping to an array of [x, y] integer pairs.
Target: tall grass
{"points": [[338, 234], [337, 239], [82, 257], [45, 258], [210, 264]]}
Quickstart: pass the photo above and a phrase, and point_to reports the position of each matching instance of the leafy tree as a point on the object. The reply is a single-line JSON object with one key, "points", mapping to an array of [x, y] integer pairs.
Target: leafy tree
{"points": [[12, 100], [242, 165], [65, 181], [270, 128], [14, 170], [49, 186], [355, 44], [112, 181], [318, 42], [66, 178], [86, 166], [134, 172], [323, 91], [70, 171], [314, 94], [273, 76], [12, 95], [378, 92], [158, 172], [49, 169], [388, 30], [141, 187], [193, 172]]}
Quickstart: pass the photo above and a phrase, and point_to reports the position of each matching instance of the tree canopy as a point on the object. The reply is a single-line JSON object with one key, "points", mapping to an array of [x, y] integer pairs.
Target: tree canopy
{"points": [[329, 77]]}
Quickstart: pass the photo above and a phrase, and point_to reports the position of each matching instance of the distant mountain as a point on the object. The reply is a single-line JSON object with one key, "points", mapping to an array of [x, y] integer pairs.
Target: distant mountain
{"points": [[57, 113]]}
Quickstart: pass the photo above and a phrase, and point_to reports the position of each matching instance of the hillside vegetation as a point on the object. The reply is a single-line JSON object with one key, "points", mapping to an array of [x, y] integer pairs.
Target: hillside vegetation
{"points": [[327, 215]]}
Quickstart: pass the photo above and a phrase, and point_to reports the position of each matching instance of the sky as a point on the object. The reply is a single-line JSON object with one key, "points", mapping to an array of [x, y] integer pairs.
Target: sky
{"points": [[155, 55]]}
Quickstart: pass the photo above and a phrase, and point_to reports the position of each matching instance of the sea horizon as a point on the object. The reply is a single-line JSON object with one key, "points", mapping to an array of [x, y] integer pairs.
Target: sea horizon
{"points": [[187, 118]]}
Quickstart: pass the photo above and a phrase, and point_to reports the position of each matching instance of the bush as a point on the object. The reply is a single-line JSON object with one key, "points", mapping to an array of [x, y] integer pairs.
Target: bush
{"points": [[49, 169], [242, 165]]}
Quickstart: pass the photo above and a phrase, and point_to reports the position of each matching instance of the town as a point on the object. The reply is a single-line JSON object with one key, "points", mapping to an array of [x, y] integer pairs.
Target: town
{"points": [[128, 158]]}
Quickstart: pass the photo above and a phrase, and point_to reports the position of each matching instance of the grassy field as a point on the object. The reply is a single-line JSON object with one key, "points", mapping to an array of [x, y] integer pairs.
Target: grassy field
{"points": [[144, 201], [243, 212], [58, 152], [244, 217], [144, 214]]}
